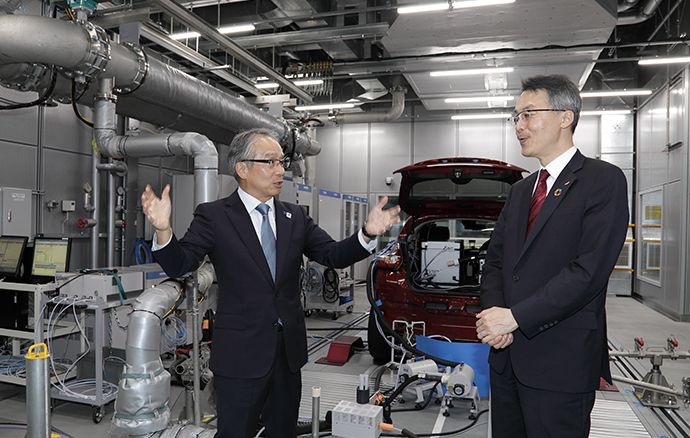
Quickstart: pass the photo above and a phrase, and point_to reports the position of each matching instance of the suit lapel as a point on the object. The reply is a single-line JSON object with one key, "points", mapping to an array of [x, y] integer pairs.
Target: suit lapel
{"points": [[284, 232], [553, 199], [239, 218]]}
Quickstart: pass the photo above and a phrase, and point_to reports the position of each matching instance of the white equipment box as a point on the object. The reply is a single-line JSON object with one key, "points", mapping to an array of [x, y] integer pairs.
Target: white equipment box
{"points": [[352, 420], [440, 259]]}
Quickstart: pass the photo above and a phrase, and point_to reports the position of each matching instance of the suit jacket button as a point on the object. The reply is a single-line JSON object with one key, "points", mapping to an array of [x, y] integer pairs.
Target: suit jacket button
{"points": [[275, 322], [277, 293], [516, 277]]}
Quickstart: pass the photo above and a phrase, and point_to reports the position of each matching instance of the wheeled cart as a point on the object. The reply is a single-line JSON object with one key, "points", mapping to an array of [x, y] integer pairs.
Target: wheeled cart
{"points": [[327, 289]]}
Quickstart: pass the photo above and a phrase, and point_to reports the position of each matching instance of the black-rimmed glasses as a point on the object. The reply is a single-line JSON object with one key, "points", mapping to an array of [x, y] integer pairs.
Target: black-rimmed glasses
{"points": [[526, 115], [272, 163]]}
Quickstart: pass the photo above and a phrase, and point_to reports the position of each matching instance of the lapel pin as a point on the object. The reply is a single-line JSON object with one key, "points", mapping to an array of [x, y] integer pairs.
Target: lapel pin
{"points": [[287, 214], [566, 183], [558, 192]]}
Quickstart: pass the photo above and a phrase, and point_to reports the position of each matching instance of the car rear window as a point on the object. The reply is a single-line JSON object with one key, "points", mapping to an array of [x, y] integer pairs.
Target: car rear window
{"points": [[475, 188]]}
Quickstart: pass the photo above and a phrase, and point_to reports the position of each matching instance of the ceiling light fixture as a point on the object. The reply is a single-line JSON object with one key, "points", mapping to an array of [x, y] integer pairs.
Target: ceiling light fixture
{"points": [[653, 61], [605, 113], [614, 93], [309, 82], [327, 106], [265, 85], [480, 116], [476, 71], [224, 30], [455, 5], [478, 99]]}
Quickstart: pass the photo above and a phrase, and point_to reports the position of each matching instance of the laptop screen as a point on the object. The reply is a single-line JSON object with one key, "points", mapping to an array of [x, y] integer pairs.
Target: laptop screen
{"points": [[51, 255], [11, 252]]}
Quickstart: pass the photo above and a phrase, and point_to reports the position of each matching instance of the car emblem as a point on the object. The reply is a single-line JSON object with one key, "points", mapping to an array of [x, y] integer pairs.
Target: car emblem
{"points": [[558, 192]]}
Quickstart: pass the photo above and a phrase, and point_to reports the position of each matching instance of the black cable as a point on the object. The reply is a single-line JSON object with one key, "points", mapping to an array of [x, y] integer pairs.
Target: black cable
{"points": [[74, 105], [424, 406], [384, 324], [41, 99]]}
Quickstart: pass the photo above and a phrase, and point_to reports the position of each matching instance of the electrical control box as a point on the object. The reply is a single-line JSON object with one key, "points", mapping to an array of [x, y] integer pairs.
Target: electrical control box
{"points": [[352, 420], [16, 208], [100, 286]]}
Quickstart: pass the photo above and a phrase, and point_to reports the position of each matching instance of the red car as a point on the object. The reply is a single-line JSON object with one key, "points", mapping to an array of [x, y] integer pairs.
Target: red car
{"points": [[427, 282]]}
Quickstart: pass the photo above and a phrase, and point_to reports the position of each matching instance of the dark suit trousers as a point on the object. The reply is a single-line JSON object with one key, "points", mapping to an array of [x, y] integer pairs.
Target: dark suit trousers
{"points": [[274, 397], [518, 411]]}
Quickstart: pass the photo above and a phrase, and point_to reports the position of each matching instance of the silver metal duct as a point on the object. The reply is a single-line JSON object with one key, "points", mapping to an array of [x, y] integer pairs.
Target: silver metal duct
{"points": [[645, 13], [9, 6], [148, 89], [391, 115]]}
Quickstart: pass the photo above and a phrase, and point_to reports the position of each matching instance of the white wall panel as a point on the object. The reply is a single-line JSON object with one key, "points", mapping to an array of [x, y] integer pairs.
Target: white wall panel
{"points": [[391, 150], [328, 161], [673, 248], [587, 136], [355, 157], [433, 140], [482, 138], [20, 125], [644, 148], [18, 165], [678, 119], [617, 133], [65, 132], [659, 159]]}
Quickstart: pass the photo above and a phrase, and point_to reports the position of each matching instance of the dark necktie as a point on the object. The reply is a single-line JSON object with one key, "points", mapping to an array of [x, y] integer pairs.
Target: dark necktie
{"points": [[268, 240], [537, 198]]}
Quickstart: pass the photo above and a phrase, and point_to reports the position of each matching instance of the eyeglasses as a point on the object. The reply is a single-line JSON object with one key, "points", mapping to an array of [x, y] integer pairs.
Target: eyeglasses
{"points": [[526, 115], [272, 163]]}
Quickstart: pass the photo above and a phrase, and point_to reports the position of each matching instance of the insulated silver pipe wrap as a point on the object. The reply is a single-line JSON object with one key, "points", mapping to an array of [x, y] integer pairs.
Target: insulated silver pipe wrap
{"points": [[141, 406], [391, 115], [187, 431]]}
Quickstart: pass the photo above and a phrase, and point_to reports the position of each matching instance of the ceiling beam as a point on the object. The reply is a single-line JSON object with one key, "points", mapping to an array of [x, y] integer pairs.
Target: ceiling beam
{"points": [[198, 59], [209, 32]]}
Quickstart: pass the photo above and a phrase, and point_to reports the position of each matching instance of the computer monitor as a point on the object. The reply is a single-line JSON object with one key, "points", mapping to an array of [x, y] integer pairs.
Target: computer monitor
{"points": [[51, 255], [11, 253]]}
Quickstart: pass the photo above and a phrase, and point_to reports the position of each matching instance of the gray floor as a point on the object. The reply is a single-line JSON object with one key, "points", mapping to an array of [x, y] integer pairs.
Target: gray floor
{"points": [[616, 413]]}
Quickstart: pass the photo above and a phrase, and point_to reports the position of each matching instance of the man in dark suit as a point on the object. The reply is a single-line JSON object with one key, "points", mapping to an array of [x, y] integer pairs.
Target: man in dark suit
{"points": [[546, 272], [256, 243]]}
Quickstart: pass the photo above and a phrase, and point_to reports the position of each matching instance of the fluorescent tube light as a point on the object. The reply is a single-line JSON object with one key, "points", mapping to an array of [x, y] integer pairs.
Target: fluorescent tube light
{"points": [[613, 93], [475, 3], [325, 106], [476, 71], [605, 113], [308, 82], [652, 61], [423, 8], [224, 30], [480, 116], [456, 5], [265, 85], [236, 28], [478, 99], [185, 35]]}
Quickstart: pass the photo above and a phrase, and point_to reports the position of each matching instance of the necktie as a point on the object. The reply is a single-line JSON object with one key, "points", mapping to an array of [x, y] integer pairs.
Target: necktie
{"points": [[537, 199], [268, 240]]}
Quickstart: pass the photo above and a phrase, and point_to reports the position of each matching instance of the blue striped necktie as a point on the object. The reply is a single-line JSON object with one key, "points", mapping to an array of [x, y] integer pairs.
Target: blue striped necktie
{"points": [[268, 240]]}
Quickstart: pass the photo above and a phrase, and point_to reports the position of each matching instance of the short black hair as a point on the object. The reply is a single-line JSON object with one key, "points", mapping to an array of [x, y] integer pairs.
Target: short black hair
{"points": [[561, 91]]}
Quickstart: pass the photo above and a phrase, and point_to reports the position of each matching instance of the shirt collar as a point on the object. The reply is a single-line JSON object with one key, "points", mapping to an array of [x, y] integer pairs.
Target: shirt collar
{"points": [[556, 166], [250, 202]]}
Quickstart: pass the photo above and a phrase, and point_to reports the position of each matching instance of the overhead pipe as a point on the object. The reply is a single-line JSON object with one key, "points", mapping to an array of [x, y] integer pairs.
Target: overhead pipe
{"points": [[391, 115], [645, 13], [147, 89]]}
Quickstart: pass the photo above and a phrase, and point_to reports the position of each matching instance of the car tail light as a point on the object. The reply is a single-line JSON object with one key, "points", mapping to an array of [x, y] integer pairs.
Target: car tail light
{"points": [[391, 259]]}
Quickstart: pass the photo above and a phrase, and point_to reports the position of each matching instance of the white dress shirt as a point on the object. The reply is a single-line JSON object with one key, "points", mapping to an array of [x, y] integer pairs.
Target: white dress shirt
{"points": [[555, 168]]}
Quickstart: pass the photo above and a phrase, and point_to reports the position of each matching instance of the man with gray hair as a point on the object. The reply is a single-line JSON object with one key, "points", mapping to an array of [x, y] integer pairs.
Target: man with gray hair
{"points": [[547, 268], [256, 244]]}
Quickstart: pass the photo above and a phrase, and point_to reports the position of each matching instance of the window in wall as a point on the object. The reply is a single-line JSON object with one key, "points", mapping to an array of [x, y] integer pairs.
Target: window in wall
{"points": [[649, 262]]}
